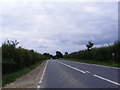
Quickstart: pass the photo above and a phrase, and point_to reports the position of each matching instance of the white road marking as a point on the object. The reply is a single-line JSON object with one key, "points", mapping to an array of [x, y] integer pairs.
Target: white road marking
{"points": [[38, 86], [43, 72], [87, 71], [73, 67], [107, 80], [40, 81]]}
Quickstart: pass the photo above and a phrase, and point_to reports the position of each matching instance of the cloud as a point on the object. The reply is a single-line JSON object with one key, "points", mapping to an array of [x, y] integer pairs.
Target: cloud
{"points": [[64, 26]]}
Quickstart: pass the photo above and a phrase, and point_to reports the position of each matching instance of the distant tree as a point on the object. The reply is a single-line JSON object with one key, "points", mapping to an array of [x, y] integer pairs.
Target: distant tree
{"points": [[47, 55], [54, 57], [51, 56], [11, 43], [59, 54], [89, 45], [66, 53]]}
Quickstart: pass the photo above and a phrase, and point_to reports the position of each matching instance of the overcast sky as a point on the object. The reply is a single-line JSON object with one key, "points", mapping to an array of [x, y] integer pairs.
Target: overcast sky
{"points": [[63, 26]]}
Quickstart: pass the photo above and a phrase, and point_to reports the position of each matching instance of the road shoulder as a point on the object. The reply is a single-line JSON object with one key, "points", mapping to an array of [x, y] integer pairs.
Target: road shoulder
{"points": [[29, 80]]}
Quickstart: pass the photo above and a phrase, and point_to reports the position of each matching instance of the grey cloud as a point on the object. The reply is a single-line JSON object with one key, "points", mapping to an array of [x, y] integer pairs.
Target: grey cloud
{"points": [[42, 46]]}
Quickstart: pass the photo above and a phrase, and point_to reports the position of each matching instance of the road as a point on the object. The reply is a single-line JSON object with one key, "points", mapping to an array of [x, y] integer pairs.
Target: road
{"points": [[69, 74]]}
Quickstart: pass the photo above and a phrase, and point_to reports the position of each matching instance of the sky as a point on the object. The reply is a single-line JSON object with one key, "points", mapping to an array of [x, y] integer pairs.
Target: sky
{"points": [[58, 26]]}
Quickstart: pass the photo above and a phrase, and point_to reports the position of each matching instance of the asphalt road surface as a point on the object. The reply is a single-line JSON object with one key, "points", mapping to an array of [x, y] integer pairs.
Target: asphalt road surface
{"points": [[69, 74]]}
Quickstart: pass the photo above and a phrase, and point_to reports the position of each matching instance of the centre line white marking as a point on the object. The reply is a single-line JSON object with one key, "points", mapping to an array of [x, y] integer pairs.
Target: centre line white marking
{"points": [[87, 71], [73, 67], [107, 80], [38, 86], [40, 81], [43, 72]]}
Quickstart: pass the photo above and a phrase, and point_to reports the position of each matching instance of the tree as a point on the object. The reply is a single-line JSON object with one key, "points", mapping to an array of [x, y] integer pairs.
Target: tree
{"points": [[54, 57], [47, 55], [66, 53], [11, 43], [59, 54], [89, 45]]}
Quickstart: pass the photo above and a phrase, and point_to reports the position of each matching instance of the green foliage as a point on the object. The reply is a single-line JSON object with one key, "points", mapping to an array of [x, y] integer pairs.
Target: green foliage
{"points": [[59, 54], [66, 53], [12, 76], [47, 55], [14, 59], [98, 54], [89, 45]]}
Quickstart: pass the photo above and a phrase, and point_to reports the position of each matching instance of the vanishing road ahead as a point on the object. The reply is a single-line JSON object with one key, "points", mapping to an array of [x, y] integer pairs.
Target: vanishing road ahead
{"points": [[69, 74]]}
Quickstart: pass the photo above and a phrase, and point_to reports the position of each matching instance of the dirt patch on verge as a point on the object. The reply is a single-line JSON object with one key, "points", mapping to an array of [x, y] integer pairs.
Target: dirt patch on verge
{"points": [[29, 80]]}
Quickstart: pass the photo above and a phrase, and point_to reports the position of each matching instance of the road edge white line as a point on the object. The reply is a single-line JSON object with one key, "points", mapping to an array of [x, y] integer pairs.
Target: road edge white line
{"points": [[43, 74], [106, 79]]}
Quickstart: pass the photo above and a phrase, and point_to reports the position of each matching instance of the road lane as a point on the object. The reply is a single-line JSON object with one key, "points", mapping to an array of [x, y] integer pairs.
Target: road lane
{"points": [[107, 72], [59, 75]]}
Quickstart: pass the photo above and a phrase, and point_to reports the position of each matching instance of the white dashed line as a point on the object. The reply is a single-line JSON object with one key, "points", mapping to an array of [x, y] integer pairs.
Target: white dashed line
{"points": [[38, 86], [107, 80], [113, 82], [73, 67], [87, 71], [40, 81]]}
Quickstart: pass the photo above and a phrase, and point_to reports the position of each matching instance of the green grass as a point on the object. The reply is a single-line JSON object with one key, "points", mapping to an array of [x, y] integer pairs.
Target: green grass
{"points": [[6, 79], [105, 63]]}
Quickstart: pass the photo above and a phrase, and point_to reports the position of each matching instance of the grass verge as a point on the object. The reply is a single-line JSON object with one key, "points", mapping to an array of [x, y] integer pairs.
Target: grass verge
{"points": [[6, 79], [105, 63]]}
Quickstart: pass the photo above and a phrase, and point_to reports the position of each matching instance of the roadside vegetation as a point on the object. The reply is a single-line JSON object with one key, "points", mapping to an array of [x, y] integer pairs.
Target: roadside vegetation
{"points": [[57, 56], [105, 55], [13, 76], [17, 61]]}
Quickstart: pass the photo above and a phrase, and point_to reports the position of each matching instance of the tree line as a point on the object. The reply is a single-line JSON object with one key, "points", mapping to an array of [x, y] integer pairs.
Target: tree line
{"points": [[57, 56], [104, 53], [15, 58]]}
